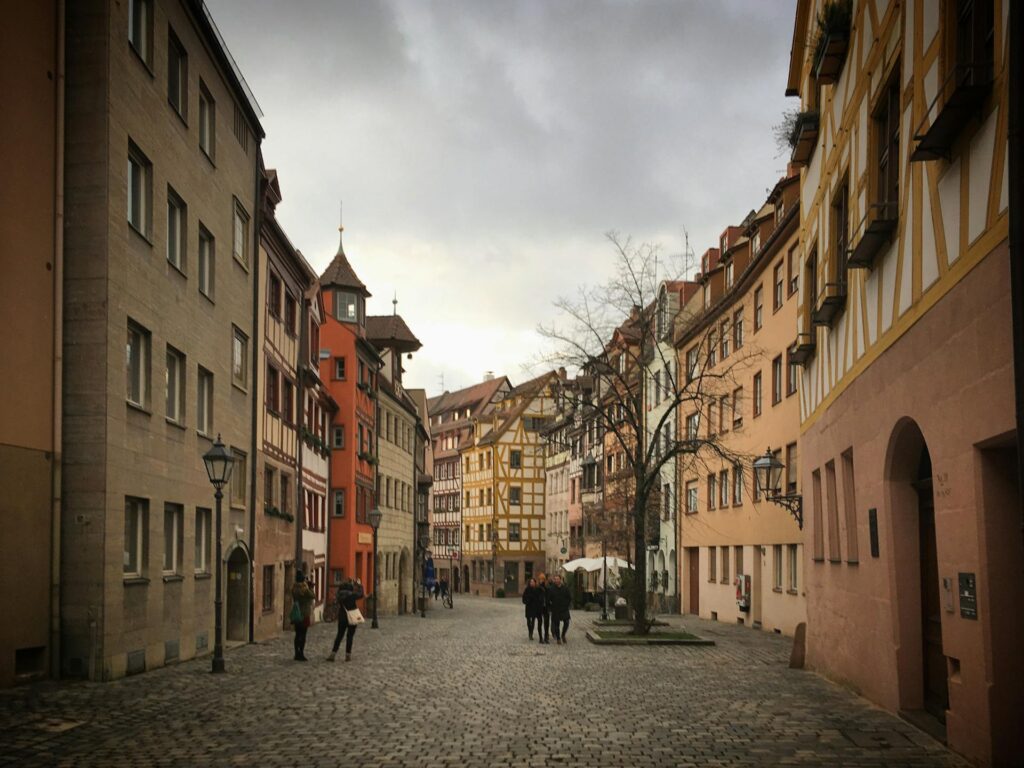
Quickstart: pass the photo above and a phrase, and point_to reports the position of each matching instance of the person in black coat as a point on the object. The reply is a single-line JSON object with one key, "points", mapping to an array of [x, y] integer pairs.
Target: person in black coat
{"points": [[533, 599], [559, 600], [348, 592], [544, 623]]}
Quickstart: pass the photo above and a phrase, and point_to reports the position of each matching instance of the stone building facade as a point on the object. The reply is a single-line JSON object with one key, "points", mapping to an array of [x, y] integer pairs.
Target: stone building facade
{"points": [[161, 192]]}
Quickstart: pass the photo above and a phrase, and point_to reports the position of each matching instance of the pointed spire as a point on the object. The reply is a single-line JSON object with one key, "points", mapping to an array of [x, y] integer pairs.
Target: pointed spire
{"points": [[341, 226], [394, 304], [339, 272]]}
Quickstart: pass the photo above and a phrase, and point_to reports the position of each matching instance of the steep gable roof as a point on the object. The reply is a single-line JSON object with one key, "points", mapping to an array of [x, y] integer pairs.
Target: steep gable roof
{"points": [[391, 331], [527, 392], [339, 272], [474, 397]]}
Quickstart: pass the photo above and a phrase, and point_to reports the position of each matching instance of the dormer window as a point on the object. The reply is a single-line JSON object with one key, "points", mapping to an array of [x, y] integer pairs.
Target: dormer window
{"points": [[662, 313], [728, 275], [755, 243], [707, 295], [347, 307]]}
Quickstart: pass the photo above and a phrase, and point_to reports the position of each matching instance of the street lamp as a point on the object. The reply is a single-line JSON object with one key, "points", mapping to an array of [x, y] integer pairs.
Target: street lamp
{"points": [[494, 558], [375, 516], [424, 543], [767, 475], [218, 461], [589, 462]]}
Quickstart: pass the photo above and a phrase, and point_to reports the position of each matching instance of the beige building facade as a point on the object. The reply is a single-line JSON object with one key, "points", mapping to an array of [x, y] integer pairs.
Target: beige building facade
{"points": [[742, 555], [160, 271]]}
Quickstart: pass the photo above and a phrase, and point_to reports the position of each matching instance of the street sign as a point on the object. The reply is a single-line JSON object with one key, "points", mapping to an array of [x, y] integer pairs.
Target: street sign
{"points": [[453, 555]]}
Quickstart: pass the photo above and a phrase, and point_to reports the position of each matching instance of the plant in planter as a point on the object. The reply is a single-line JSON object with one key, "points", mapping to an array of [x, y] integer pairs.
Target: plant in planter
{"points": [[804, 136], [833, 40]]}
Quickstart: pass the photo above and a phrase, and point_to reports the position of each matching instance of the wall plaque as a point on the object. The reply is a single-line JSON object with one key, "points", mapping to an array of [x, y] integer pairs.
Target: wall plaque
{"points": [[968, 596]]}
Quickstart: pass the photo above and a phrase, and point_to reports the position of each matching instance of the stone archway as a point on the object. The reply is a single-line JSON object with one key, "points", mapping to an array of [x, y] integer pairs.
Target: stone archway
{"points": [[236, 593], [920, 661]]}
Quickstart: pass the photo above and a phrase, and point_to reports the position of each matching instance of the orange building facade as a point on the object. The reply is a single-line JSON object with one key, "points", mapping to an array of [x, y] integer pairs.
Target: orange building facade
{"points": [[349, 365]]}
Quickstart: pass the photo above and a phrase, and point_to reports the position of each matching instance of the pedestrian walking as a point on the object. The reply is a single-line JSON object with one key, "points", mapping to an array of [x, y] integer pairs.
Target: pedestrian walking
{"points": [[533, 599], [349, 616], [560, 599], [544, 625], [302, 608], [444, 586]]}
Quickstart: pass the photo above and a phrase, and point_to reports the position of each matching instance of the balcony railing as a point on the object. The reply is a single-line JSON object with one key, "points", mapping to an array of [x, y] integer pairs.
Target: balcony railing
{"points": [[959, 99], [874, 231]]}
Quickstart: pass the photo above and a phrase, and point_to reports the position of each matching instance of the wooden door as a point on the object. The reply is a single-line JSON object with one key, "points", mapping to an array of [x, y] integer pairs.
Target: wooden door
{"points": [[936, 684]]}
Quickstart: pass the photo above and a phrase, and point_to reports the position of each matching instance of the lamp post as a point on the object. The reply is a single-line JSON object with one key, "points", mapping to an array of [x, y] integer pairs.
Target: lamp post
{"points": [[767, 475], [424, 543], [494, 558], [218, 461], [604, 577], [589, 462], [375, 516]]}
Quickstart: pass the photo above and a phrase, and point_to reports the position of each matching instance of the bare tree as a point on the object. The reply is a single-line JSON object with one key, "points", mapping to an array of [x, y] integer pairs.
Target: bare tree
{"points": [[610, 332]]}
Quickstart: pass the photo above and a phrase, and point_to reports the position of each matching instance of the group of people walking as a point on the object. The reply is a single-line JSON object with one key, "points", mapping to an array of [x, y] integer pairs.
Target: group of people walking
{"points": [[349, 616], [547, 608]]}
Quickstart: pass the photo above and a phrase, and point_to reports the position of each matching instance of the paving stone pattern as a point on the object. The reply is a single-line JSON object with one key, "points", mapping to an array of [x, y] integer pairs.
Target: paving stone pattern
{"points": [[466, 688]]}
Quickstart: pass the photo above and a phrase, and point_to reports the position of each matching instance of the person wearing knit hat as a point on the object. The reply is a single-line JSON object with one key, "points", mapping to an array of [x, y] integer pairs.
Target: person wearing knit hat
{"points": [[302, 610]]}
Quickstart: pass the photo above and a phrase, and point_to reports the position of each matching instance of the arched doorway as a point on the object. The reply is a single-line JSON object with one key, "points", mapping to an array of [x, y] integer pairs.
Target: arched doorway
{"points": [[403, 577], [921, 663], [236, 615]]}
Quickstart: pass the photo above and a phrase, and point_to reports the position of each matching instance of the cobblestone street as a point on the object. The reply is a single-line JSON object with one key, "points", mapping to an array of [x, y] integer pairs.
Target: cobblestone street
{"points": [[465, 688]]}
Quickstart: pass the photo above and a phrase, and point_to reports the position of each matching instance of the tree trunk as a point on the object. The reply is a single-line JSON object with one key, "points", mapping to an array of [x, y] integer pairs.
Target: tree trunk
{"points": [[640, 626]]}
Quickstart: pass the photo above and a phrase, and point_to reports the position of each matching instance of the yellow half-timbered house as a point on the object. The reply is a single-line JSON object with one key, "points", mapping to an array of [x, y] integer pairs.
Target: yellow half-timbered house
{"points": [[904, 335], [503, 479]]}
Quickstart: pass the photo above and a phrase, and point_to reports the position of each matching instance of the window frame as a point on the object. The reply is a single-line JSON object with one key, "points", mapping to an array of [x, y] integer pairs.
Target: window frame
{"points": [[239, 342], [138, 509], [141, 378], [140, 31], [175, 513], [178, 416], [240, 234], [177, 231], [207, 128], [204, 402], [206, 262], [202, 541], [139, 187], [177, 67]]}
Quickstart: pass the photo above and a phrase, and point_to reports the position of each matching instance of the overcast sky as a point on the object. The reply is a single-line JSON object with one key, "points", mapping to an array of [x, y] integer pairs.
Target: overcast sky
{"points": [[483, 149]]}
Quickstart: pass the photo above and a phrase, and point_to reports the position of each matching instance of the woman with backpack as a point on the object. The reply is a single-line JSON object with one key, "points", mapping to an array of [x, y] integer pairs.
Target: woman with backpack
{"points": [[349, 616]]}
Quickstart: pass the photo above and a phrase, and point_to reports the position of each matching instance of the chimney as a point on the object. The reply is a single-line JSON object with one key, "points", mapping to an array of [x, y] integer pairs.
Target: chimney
{"points": [[488, 375]]}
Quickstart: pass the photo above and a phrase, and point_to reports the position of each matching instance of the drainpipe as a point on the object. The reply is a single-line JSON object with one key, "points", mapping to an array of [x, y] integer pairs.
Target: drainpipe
{"points": [[256, 400], [58, 351], [300, 396], [1016, 189]]}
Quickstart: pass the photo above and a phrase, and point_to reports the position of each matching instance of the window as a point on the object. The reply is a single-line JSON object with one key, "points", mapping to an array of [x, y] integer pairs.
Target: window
{"points": [[338, 437], [887, 143], [791, 270], [850, 507], [691, 497], [818, 552], [268, 588], [778, 288], [693, 426], [339, 368], [792, 567], [338, 502], [711, 419], [777, 567], [691, 364], [204, 402], [239, 479], [290, 312], [737, 330], [177, 75], [712, 569], [286, 498], [206, 263], [515, 495], [811, 270], [204, 527], [737, 485], [757, 394], [514, 532], [287, 400], [712, 491], [840, 232], [737, 408], [725, 339], [712, 349], [173, 514], [792, 374], [240, 238], [516, 459], [176, 230], [239, 358], [274, 391], [140, 190], [724, 579], [758, 308], [136, 539], [723, 489], [240, 129], [729, 273], [346, 306], [777, 380], [791, 468], [738, 560], [137, 365], [175, 385], [140, 28], [207, 121], [274, 295]]}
